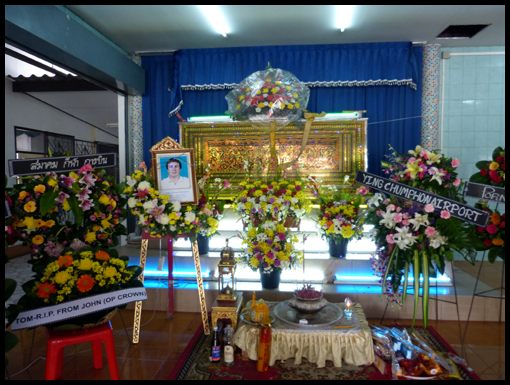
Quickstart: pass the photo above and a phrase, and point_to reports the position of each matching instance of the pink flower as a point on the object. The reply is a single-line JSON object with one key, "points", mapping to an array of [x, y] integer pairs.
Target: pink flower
{"points": [[445, 214], [430, 231], [390, 208], [429, 208], [226, 184], [398, 218], [89, 178], [492, 229], [412, 160], [455, 163], [86, 168], [405, 222], [389, 238], [457, 182]]}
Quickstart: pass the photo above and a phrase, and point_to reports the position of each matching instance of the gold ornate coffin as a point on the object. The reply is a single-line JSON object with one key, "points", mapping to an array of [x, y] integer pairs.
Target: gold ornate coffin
{"points": [[334, 148]]}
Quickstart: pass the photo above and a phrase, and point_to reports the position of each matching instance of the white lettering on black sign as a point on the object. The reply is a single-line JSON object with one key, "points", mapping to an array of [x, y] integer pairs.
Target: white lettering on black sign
{"points": [[485, 192], [456, 209]]}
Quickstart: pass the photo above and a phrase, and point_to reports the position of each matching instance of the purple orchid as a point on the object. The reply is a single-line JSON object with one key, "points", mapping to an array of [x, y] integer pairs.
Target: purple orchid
{"points": [[89, 179], [87, 204], [61, 197]]}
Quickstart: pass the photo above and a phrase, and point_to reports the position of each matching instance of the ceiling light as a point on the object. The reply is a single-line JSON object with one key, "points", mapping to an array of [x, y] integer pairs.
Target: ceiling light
{"points": [[343, 16], [213, 14]]}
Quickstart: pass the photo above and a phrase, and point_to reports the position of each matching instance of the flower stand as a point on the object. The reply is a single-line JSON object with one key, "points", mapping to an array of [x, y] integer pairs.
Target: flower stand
{"points": [[57, 341], [338, 250]]}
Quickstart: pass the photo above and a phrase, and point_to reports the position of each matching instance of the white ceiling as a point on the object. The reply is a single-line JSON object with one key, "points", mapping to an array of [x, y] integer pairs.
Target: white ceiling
{"points": [[157, 28]]}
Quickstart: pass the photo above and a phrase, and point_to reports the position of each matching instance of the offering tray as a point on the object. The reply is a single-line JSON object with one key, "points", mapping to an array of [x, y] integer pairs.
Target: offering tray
{"points": [[327, 316], [246, 317]]}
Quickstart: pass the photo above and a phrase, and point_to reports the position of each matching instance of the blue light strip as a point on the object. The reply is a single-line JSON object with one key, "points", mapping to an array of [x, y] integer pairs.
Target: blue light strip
{"points": [[164, 273], [374, 278]]}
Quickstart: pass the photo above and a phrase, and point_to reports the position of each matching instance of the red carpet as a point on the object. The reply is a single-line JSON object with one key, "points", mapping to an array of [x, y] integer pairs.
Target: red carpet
{"points": [[194, 364]]}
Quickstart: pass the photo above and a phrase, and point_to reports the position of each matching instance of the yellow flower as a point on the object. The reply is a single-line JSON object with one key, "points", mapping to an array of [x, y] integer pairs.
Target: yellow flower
{"points": [[110, 271], [90, 237], [127, 190], [290, 106], [274, 90], [22, 195], [62, 277], [347, 232], [189, 208], [241, 97], [51, 182], [494, 166], [258, 92], [288, 88], [294, 95], [105, 224], [261, 105], [66, 206], [85, 264], [74, 175], [296, 105], [238, 106], [104, 200], [30, 207], [29, 222], [40, 188], [38, 239], [265, 90], [247, 89], [49, 223]]}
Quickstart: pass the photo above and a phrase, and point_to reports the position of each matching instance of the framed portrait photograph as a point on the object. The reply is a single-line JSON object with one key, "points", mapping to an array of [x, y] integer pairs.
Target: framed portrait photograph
{"points": [[174, 174]]}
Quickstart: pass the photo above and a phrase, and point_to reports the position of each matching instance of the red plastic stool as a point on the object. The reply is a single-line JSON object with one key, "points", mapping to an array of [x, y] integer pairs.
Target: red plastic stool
{"points": [[96, 334]]}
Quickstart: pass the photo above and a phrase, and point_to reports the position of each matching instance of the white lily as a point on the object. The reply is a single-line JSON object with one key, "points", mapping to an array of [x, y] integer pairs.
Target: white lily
{"points": [[419, 220], [417, 151], [433, 157], [374, 201], [404, 238], [437, 175], [388, 220], [436, 240]]}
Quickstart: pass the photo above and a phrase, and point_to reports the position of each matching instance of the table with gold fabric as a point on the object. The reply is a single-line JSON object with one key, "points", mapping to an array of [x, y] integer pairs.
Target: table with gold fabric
{"points": [[353, 345]]}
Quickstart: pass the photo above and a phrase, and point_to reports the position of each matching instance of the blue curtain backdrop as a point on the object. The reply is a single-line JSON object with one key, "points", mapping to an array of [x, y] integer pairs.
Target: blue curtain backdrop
{"points": [[195, 83]]}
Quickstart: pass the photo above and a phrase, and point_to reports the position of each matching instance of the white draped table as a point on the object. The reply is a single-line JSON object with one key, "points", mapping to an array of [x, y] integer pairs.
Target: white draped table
{"points": [[353, 345]]}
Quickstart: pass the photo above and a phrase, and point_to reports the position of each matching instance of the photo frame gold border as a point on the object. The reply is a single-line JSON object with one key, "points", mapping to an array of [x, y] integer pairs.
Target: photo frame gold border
{"points": [[168, 146]]}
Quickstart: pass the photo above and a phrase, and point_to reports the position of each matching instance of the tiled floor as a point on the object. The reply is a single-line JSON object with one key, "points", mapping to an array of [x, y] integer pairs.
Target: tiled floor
{"points": [[162, 342]]}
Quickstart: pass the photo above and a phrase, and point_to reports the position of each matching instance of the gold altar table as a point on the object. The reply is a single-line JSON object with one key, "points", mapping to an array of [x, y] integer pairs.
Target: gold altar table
{"points": [[226, 310], [354, 346]]}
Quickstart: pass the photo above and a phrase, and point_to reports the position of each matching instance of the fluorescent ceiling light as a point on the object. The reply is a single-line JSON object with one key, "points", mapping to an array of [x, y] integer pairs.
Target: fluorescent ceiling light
{"points": [[343, 16], [209, 118], [213, 14]]}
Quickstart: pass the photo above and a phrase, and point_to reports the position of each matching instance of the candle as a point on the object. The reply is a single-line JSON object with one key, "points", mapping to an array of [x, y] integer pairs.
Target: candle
{"points": [[348, 303]]}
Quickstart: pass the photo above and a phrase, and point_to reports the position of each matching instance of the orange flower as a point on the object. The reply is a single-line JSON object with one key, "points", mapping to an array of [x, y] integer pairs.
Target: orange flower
{"points": [[40, 188], [85, 283], [45, 289], [495, 219], [38, 239], [30, 207], [102, 255], [40, 223], [498, 242], [22, 195], [65, 260], [50, 223]]}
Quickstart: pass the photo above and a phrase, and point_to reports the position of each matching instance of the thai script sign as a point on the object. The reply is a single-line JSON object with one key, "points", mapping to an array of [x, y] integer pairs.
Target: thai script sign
{"points": [[76, 308], [456, 209], [21, 167], [485, 192]]}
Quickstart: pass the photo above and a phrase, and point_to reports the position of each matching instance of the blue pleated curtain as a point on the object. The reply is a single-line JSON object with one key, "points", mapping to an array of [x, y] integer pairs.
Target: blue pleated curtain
{"points": [[382, 78]]}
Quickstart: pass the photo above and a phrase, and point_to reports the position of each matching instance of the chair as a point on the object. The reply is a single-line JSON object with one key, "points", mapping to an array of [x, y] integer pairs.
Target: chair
{"points": [[96, 334]]}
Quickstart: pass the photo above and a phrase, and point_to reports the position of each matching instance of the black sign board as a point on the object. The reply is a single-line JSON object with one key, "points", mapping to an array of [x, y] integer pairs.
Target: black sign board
{"points": [[456, 209], [21, 167], [485, 192]]}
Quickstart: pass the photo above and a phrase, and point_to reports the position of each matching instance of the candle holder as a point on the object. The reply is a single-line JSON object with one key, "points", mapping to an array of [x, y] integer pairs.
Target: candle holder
{"points": [[348, 308]]}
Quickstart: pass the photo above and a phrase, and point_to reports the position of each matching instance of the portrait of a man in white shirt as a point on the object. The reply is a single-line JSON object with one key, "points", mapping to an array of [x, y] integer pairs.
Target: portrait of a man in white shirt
{"points": [[174, 180]]}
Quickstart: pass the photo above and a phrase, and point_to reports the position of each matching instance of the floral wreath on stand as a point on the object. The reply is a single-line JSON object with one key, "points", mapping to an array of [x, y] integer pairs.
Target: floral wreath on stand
{"points": [[71, 221], [411, 235], [492, 173]]}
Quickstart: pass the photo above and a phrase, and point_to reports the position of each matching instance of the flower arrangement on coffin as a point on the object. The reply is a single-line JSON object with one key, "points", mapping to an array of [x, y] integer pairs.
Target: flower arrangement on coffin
{"points": [[340, 218], [491, 172], [408, 235], [269, 247], [51, 212], [155, 213], [272, 94], [492, 236], [78, 274]]}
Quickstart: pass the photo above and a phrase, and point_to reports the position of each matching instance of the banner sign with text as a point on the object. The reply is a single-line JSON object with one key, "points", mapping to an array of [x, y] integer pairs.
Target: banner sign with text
{"points": [[35, 166], [485, 192], [76, 308], [456, 209]]}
